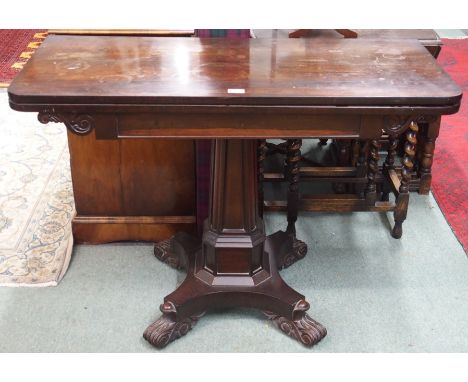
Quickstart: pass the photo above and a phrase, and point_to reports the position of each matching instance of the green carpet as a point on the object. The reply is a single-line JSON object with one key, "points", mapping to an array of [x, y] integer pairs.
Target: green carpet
{"points": [[372, 292]]}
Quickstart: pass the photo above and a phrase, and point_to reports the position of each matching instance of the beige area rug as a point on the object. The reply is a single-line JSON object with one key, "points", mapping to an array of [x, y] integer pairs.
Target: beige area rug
{"points": [[36, 200]]}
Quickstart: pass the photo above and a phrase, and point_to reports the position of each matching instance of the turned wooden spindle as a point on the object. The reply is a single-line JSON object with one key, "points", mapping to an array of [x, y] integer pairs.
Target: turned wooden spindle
{"points": [[361, 168], [406, 171], [410, 151], [343, 148], [355, 152], [293, 157], [362, 154], [391, 152], [425, 164], [261, 154], [372, 171], [389, 164]]}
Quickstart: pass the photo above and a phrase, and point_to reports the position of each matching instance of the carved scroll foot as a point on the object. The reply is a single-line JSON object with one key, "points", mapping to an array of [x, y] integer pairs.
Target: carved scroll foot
{"points": [[165, 330], [163, 251], [298, 252], [306, 330]]}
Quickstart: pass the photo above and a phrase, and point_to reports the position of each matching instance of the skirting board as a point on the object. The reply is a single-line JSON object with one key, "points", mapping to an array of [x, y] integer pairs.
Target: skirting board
{"points": [[106, 229]]}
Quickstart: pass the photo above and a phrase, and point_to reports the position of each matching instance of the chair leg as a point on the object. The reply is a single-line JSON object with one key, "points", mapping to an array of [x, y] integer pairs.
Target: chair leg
{"points": [[361, 167], [425, 162], [261, 154], [401, 208], [293, 157], [389, 165], [343, 149], [373, 169]]}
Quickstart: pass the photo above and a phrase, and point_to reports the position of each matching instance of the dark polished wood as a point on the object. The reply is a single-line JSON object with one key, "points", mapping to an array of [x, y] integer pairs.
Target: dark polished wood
{"points": [[121, 88], [121, 71]]}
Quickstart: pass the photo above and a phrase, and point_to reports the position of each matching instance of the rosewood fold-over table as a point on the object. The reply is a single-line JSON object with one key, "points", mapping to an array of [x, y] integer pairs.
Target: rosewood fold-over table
{"points": [[234, 92]]}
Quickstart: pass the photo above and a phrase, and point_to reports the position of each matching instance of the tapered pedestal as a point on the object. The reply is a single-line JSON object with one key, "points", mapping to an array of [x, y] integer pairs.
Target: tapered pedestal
{"points": [[234, 264]]}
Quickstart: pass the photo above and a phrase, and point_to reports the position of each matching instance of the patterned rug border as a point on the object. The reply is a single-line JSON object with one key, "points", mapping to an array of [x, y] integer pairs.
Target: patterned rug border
{"points": [[40, 232], [66, 263], [20, 57]]}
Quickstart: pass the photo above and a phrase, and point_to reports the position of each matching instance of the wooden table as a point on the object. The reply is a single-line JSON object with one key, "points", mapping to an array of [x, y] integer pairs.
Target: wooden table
{"points": [[235, 92]]}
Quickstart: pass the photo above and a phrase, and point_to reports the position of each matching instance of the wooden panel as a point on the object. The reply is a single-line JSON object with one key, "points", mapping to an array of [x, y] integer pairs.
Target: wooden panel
{"points": [[341, 171], [341, 203], [134, 219], [253, 125], [135, 186], [95, 169], [331, 203], [158, 177], [97, 233]]}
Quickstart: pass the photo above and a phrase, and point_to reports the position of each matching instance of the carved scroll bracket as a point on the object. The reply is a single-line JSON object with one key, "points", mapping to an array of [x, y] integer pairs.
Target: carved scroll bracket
{"points": [[397, 124], [80, 124]]}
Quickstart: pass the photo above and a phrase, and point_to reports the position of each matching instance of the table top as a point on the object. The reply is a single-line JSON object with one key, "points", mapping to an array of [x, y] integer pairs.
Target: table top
{"points": [[218, 71]]}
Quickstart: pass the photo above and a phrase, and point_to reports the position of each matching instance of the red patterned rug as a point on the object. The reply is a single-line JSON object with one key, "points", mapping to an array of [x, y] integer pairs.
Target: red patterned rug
{"points": [[16, 47], [450, 168]]}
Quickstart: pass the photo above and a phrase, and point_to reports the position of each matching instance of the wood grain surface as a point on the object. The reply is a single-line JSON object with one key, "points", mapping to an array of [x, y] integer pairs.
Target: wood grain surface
{"points": [[122, 70]]}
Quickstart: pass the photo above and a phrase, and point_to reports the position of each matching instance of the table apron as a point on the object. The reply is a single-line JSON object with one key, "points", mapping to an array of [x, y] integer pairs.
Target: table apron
{"points": [[239, 125], [244, 125]]}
